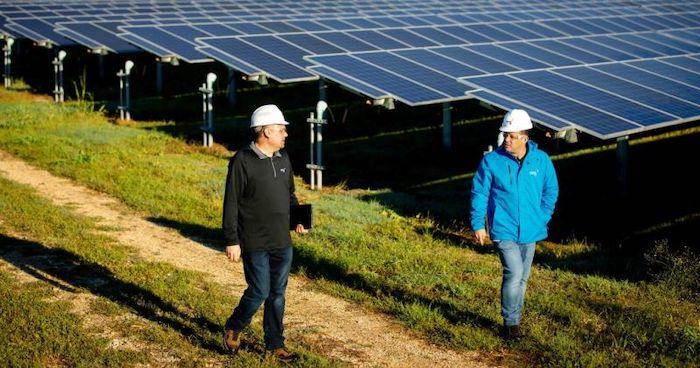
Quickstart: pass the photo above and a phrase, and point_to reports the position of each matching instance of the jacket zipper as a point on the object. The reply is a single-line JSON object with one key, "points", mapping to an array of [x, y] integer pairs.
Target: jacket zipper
{"points": [[510, 176], [274, 172]]}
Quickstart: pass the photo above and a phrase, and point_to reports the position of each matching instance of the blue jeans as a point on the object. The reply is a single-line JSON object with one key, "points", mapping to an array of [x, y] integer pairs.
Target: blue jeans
{"points": [[266, 273], [516, 259]]}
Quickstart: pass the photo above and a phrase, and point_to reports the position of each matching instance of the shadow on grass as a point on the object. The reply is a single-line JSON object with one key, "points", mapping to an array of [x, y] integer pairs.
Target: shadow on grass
{"points": [[320, 268], [78, 273], [206, 236], [327, 269]]}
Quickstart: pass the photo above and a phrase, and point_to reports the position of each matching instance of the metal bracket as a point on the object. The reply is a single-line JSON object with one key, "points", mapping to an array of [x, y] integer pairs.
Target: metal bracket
{"points": [[315, 167], [172, 60], [260, 78], [386, 102]]}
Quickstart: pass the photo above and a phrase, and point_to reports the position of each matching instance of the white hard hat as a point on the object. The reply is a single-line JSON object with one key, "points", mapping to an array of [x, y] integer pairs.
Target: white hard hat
{"points": [[516, 120], [267, 115]]}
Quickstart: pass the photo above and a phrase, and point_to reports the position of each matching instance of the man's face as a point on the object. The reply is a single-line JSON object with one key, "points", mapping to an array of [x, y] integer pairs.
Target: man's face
{"points": [[514, 142], [276, 135]]}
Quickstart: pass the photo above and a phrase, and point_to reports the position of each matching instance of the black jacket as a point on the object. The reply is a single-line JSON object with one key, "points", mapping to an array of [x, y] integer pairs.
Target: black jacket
{"points": [[259, 192]]}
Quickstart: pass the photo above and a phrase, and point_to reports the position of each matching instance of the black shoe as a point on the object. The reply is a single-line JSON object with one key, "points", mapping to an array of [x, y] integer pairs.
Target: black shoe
{"points": [[513, 332], [284, 355], [232, 341]]}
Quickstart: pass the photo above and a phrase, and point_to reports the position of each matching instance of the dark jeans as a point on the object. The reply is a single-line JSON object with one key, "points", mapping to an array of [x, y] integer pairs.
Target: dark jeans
{"points": [[266, 273]]}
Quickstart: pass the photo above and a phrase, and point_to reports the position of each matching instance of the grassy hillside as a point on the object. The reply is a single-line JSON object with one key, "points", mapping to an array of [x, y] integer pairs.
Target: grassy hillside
{"points": [[366, 248]]}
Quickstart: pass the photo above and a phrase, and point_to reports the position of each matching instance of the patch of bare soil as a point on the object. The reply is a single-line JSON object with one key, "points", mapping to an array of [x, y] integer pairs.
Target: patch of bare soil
{"points": [[28, 268], [328, 325]]}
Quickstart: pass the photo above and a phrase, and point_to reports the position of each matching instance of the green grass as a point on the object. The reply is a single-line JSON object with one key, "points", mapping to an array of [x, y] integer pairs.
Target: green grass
{"points": [[37, 332], [436, 283], [184, 311]]}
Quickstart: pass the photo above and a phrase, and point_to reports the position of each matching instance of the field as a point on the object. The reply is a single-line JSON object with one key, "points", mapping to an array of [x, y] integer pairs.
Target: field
{"points": [[615, 285]]}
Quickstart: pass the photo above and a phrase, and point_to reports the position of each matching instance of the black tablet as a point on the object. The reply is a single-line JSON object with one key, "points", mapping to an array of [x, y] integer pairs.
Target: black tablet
{"points": [[300, 214]]}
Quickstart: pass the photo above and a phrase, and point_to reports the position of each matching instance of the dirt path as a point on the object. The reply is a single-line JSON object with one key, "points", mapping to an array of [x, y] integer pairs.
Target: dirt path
{"points": [[27, 268], [332, 326]]}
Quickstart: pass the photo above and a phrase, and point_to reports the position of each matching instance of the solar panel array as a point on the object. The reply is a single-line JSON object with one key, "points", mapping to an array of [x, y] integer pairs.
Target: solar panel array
{"points": [[609, 68]]}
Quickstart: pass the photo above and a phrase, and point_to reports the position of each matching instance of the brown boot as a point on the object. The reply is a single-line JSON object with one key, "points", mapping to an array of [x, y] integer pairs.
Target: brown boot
{"points": [[284, 355], [232, 341]]}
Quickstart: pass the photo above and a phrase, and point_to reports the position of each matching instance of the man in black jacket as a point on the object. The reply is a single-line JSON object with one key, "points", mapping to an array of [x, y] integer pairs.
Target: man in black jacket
{"points": [[259, 192]]}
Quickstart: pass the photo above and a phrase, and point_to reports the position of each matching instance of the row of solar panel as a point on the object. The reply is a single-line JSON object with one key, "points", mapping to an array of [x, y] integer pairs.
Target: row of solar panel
{"points": [[180, 40], [567, 72], [41, 29], [282, 56], [378, 5], [605, 100], [96, 34], [109, 13], [424, 76]]}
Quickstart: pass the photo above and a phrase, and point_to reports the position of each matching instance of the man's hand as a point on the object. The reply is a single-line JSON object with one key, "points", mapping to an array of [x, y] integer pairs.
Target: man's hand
{"points": [[300, 229], [480, 236], [233, 252]]}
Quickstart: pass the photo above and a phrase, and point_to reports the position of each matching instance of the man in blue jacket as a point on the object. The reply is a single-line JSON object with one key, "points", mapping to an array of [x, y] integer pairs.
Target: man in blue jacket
{"points": [[514, 190]]}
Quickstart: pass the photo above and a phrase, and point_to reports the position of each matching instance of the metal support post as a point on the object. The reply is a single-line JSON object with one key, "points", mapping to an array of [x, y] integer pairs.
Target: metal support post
{"points": [[321, 91], [101, 66], [207, 90], [622, 164], [58, 92], [319, 151], [312, 144], [231, 87], [124, 93], [316, 145], [446, 126], [159, 77], [7, 49]]}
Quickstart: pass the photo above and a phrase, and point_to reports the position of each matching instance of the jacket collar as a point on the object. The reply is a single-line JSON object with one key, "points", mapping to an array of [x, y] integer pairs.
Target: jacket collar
{"points": [[260, 153], [531, 147]]}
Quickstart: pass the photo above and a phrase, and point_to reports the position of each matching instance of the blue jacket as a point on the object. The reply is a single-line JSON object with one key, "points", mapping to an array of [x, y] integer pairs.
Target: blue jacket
{"points": [[518, 201]]}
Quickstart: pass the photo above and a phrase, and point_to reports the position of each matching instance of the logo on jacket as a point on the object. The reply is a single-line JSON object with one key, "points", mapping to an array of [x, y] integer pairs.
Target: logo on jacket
{"points": [[534, 172], [284, 169]]}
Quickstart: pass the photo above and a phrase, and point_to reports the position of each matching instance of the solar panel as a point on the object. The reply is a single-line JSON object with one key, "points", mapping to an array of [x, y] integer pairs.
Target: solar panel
{"points": [[476, 61], [95, 37], [668, 71], [509, 57], [437, 36], [349, 82], [173, 44], [508, 104], [404, 89], [40, 30], [279, 48], [428, 77], [677, 44], [594, 97], [687, 63], [590, 120], [417, 50], [262, 60], [631, 49], [409, 38], [229, 60], [377, 39], [446, 65], [632, 91], [571, 52], [465, 34], [345, 41], [313, 45], [653, 81], [548, 57], [597, 49]]}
